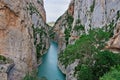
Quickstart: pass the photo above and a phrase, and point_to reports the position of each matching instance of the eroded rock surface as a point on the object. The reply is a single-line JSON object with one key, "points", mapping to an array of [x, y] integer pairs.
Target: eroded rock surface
{"points": [[6, 66], [18, 18], [114, 42], [87, 14]]}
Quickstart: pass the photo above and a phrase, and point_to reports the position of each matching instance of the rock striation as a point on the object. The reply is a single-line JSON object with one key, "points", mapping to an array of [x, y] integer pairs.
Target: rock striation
{"points": [[19, 41]]}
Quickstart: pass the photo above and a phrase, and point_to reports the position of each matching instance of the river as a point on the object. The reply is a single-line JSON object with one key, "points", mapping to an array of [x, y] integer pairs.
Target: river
{"points": [[49, 68]]}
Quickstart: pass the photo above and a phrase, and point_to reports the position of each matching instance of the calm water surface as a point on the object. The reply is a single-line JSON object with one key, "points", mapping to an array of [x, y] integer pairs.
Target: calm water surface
{"points": [[49, 68]]}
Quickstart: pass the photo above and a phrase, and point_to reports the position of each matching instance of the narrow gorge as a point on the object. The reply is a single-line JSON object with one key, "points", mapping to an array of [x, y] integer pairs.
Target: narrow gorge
{"points": [[83, 44]]}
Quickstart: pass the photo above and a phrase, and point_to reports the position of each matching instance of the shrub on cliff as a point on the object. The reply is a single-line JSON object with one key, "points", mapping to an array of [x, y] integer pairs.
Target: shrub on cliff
{"points": [[85, 47], [104, 60], [89, 49], [101, 63], [113, 74], [2, 58], [84, 72]]}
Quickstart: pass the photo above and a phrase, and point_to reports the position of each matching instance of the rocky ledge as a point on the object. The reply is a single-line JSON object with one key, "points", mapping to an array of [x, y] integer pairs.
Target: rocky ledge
{"points": [[69, 70], [113, 43], [6, 66]]}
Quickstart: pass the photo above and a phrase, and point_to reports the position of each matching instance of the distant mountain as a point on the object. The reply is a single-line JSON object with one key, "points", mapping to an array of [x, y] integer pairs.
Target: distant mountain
{"points": [[51, 23]]}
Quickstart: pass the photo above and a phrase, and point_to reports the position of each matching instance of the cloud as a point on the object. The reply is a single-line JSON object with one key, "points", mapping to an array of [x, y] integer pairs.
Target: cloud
{"points": [[55, 8]]}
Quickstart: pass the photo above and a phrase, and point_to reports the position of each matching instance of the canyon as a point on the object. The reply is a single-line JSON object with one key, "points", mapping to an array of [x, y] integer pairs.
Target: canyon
{"points": [[25, 35]]}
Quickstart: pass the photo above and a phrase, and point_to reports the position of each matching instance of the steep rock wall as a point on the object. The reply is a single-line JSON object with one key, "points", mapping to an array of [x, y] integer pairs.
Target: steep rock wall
{"points": [[81, 16], [114, 42], [87, 14], [63, 27], [18, 19]]}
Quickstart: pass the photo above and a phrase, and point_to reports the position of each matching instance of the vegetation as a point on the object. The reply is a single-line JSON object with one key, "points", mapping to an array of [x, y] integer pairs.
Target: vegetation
{"points": [[92, 6], [41, 32], [29, 77], [2, 58], [79, 27], [89, 49], [104, 61], [84, 46], [67, 34], [32, 9], [38, 1], [68, 28], [113, 74], [85, 73], [51, 33], [33, 77], [109, 28], [118, 14]]}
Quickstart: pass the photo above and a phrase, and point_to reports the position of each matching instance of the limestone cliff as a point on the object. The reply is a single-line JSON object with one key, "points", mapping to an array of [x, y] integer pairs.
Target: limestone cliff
{"points": [[19, 19], [63, 27], [88, 13], [83, 15]]}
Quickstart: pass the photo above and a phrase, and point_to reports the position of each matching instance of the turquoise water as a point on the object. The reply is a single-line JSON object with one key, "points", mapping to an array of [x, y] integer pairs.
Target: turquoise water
{"points": [[49, 68]]}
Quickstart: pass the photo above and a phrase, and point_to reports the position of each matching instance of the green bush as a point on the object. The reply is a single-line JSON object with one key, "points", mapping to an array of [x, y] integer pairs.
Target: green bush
{"points": [[32, 9], [94, 61], [41, 32], [68, 28], [92, 6], [79, 27], [118, 14], [67, 35], [2, 58], [113, 74], [86, 45], [109, 28], [69, 19], [51, 33], [104, 60], [84, 72]]}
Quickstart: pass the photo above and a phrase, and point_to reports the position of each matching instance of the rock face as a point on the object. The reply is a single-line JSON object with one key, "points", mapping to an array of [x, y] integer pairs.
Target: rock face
{"points": [[86, 14], [69, 71], [83, 15], [5, 67], [114, 42], [18, 41], [63, 24]]}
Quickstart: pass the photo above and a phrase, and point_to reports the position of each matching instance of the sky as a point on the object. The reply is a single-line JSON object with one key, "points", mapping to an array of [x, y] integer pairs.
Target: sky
{"points": [[55, 8]]}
